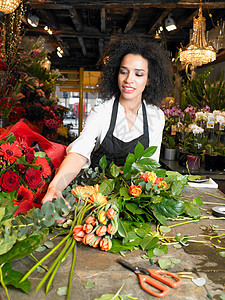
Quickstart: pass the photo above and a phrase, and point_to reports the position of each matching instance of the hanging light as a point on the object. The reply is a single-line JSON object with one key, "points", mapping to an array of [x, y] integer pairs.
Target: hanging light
{"points": [[170, 23], [8, 6], [33, 20], [198, 51]]}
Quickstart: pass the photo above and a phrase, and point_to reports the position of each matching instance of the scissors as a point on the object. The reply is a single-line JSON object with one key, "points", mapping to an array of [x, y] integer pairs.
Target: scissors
{"points": [[145, 276]]}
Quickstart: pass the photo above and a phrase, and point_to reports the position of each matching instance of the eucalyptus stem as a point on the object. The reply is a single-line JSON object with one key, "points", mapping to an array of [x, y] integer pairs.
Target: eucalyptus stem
{"points": [[72, 269], [182, 223], [3, 284], [212, 237], [43, 259], [46, 269], [208, 193]]}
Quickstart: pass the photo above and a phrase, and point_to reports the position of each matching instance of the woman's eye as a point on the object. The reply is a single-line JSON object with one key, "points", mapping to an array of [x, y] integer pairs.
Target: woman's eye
{"points": [[139, 74], [123, 72]]}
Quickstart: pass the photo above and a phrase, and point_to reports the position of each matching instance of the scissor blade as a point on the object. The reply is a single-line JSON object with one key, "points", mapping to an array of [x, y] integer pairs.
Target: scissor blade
{"points": [[126, 264]]}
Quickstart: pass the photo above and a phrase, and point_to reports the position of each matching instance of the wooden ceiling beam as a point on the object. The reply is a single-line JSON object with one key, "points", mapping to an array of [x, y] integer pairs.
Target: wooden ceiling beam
{"points": [[133, 19], [103, 20], [79, 27], [160, 19], [65, 5]]}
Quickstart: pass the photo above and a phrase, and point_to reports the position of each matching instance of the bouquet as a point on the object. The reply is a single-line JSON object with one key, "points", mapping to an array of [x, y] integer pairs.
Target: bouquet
{"points": [[24, 174]]}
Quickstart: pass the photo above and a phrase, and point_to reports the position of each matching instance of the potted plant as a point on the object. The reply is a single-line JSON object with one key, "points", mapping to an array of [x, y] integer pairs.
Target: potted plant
{"points": [[169, 143]]}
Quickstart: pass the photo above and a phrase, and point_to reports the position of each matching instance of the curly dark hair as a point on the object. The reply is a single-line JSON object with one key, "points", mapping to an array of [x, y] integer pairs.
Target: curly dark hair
{"points": [[159, 69]]}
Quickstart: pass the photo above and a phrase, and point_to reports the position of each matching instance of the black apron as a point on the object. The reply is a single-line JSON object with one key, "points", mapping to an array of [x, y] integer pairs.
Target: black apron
{"points": [[114, 149]]}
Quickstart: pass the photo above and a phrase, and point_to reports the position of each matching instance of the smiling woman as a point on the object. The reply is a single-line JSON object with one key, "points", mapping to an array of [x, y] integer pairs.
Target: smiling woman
{"points": [[135, 78]]}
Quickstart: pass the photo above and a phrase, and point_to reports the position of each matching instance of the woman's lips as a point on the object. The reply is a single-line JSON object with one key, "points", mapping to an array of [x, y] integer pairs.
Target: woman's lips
{"points": [[128, 89]]}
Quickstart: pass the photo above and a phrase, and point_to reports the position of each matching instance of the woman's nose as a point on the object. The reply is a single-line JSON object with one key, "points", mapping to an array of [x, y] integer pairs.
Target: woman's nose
{"points": [[129, 77]]}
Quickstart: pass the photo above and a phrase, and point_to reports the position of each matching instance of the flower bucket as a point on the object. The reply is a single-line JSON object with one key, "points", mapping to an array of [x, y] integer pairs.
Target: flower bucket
{"points": [[169, 154], [221, 163], [210, 162], [193, 163]]}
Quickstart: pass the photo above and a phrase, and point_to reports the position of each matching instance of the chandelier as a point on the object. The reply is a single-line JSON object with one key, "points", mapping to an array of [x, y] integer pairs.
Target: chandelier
{"points": [[198, 51], [8, 6]]}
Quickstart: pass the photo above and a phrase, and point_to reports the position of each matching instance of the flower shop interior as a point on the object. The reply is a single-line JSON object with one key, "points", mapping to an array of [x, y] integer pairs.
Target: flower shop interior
{"points": [[49, 74]]}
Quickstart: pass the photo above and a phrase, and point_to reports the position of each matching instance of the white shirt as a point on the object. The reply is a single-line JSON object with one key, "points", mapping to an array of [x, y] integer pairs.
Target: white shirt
{"points": [[98, 121]]}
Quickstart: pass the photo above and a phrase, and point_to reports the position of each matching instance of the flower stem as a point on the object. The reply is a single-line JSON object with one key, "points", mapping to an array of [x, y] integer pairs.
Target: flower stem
{"points": [[46, 269], [72, 269], [43, 259], [3, 284]]}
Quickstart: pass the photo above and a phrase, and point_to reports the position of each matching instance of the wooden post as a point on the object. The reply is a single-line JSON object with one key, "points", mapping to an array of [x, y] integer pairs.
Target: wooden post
{"points": [[81, 80]]}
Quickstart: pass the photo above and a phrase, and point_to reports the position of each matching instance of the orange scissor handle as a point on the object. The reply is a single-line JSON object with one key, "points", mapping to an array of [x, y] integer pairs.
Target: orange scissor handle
{"points": [[157, 274], [164, 290]]}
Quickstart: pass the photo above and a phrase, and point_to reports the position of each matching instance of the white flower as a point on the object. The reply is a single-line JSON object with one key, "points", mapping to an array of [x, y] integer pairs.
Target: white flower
{"points": [[210, 117], [220, 119]]}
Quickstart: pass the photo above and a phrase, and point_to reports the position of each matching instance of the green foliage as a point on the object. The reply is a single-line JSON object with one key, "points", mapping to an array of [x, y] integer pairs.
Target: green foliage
{"points": [[200, 92]]}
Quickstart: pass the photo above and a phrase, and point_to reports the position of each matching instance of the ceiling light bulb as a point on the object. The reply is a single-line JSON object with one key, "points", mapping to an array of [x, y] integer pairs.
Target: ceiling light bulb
{"points": [[33, 20], [59, 54]]}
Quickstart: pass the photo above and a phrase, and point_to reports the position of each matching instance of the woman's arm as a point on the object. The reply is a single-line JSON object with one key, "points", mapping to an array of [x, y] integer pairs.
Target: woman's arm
{"points": [[68, 170]]}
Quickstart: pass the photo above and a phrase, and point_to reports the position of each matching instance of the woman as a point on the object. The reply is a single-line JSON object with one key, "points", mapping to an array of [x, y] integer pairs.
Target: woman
{"points": [[135, 78]]}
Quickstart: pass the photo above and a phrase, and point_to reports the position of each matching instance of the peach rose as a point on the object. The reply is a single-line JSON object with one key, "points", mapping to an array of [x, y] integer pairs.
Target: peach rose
{"points": [[78, 233], [87, 228], [160, 182], [149, 176], [96, 242], [105, 244], [135, 190]]}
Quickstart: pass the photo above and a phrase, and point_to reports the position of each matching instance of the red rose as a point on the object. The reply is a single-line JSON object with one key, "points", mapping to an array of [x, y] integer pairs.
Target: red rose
{"points": [[22, 168], [3, 66], [9, 181], [29, 156], [33, 178]]}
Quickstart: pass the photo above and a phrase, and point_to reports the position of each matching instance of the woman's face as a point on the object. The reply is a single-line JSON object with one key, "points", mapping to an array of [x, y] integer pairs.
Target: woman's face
{"points": [[133, 76]]}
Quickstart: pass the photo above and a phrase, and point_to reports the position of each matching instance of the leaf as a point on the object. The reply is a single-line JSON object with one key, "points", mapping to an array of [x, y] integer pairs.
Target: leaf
{"points": [[103, 162], [106, 187], [11, 277], [117, 246], [145, 164], [134, 208], [222, 253], [25, 246], [2, 213], [169, 208], [121, 229], [114, 170], [49, 244], [192, 210], [198, 201], [89, 285], [62, 291], [108, 297], [158, 252], [47, 208], [139, 150], [165, 229], [149, 151], [160, 218], [164, 263], [175, 260], [7, 242], [148, 242]]}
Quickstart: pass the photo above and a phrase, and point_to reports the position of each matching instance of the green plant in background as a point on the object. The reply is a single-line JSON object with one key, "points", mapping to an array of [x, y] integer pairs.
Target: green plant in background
{"points": [[200, 92], [169, 141]]}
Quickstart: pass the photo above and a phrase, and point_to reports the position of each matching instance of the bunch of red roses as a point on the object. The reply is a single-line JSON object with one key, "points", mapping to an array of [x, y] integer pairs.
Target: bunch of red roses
{"points": [[98, 228], [23, 174]]}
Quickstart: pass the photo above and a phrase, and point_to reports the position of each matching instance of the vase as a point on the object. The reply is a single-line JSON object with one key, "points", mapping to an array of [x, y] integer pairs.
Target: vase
{"points": [[210, 162], [182, 159], [169, 154], [193, 162], [221, 163]]}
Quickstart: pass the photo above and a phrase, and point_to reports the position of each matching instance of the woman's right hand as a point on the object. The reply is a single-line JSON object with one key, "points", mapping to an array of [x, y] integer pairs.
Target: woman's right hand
{"points": [[50, 194]]}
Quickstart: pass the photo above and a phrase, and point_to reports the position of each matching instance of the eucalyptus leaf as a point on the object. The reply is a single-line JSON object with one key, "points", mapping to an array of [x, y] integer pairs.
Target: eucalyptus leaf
{"points": [[89, 285], [108, 297], [165, 229], [164, 263], [222, 253], [62, 291], [49, 244], [47, 208]]}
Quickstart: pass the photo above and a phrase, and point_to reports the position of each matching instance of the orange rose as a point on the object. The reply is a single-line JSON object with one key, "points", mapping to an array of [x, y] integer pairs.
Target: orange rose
{"points": [[91, 220], [96, 242], [149, 176], [78, 233], [88, 238], [111, 229], [100, 231], [105, 244], [98, 199], [111, 213], [102, 217], [160, 182], [87, 228], [135, 190]]}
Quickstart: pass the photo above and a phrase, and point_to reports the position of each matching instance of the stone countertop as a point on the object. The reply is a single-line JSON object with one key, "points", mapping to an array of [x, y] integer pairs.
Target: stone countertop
{"points": [[200, 259]]}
